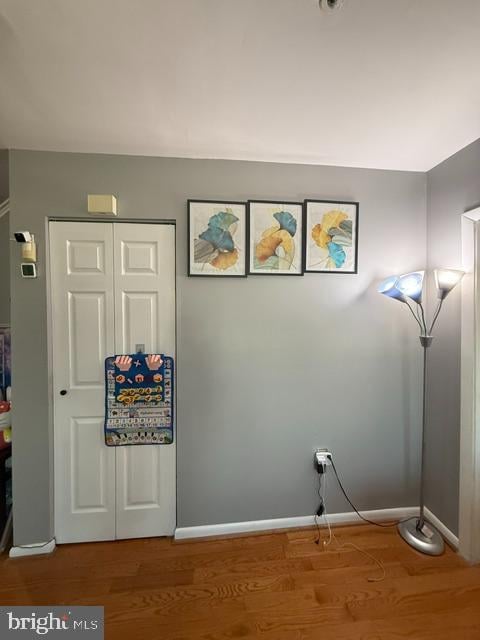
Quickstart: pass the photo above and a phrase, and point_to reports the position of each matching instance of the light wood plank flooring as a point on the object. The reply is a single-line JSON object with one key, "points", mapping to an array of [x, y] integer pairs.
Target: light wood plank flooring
{"points": [[278, 586]]}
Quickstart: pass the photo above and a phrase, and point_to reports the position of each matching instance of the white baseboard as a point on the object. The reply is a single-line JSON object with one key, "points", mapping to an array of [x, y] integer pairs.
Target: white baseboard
{"points": [[32, 549], [450, 537], [232, 528]]}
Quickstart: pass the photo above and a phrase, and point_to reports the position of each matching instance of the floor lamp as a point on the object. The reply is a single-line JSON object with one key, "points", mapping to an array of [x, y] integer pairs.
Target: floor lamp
{"points": [[408, 289]]}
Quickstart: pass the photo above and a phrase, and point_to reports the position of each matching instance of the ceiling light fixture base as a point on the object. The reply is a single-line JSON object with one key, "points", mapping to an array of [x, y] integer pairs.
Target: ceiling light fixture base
{"points": [[330, 5]]}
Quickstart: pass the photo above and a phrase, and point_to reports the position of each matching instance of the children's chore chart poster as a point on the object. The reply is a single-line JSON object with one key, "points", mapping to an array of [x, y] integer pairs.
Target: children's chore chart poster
{"points": [[138, 399]]}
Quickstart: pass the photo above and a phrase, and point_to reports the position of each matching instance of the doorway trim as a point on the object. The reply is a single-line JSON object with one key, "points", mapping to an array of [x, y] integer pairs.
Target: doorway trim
{"points": [[469, 499]]}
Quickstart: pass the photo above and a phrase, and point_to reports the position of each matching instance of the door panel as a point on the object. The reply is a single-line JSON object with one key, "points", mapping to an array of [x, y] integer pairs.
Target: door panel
{"points": [[86, 256], [88, 468], [139, 320], [141, 470], [81, 265], [144, 283], [87, 325], [139, 257]]}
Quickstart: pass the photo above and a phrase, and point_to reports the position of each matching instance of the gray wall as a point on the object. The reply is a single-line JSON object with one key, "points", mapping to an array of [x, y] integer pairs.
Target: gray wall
{"points": [[268, 367], [453, 187], [4, 243], [3, 175]]}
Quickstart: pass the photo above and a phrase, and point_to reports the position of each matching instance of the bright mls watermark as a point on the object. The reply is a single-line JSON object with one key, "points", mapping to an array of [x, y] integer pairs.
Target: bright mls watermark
{"points": [[51, 622]]}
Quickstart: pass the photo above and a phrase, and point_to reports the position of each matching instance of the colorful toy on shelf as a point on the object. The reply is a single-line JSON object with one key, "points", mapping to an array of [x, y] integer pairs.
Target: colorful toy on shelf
{"points": [[5, 425]]}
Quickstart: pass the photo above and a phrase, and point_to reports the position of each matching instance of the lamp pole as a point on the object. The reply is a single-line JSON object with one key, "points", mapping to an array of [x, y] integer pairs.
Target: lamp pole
{"points": [[417, 532], [425, 341]]}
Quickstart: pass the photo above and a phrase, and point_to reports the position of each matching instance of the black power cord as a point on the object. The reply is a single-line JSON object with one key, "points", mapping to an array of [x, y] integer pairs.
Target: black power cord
{"points": [[321, 510], [377, 524], [321, 507]]}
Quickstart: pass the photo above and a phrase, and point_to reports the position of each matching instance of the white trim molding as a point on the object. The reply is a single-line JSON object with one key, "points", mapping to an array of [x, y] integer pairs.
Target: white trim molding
{"points": [[255, 526], [469, 505], [449, 536], [473, 214], [37, 549]]}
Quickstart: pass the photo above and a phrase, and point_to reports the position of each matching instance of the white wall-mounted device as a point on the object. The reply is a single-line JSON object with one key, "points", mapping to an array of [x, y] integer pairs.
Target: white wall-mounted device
{"points": [[23, 236], [29, 248], [106, 204], [28, 270]]}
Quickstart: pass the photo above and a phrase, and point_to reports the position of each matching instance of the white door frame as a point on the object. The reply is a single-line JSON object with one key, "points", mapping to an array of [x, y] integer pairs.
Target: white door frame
{"points": [[469, 505]]}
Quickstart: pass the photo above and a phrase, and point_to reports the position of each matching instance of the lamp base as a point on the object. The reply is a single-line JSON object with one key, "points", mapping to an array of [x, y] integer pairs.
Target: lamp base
{"points": [[427, 541]]}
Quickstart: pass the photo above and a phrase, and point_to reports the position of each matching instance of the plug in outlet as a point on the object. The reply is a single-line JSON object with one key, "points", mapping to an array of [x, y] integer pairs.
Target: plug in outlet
{"points": [[322, 458]]}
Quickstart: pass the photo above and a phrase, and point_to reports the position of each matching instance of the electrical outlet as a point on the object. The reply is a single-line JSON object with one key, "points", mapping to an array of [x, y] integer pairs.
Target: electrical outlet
{"points": [[323, 457]]}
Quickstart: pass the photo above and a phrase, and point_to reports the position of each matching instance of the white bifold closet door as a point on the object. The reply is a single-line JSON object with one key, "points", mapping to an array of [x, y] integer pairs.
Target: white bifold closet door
{"points": [[144, 295], [112, 289], [81, 263]]}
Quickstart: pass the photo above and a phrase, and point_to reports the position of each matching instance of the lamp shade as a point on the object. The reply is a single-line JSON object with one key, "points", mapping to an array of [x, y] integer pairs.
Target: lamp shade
{"points": [[446, 280], [411, 285], [389, 288]]}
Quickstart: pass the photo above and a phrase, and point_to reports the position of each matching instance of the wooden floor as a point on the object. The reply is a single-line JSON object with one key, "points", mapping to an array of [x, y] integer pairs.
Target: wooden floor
{"points": [[275, 587]]}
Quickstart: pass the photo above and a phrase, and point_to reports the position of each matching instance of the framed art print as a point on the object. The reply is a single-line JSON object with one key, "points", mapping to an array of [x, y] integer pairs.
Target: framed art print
{"points": [[217, 238], [275, 238], [331, 236]]}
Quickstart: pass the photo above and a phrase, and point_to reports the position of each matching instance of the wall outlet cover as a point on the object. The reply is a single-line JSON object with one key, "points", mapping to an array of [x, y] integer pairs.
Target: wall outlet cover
{"points": [[323, 456]]}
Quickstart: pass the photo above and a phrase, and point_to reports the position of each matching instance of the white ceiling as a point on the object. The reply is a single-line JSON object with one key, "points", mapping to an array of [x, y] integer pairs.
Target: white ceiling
{"points": [[382, 83]]}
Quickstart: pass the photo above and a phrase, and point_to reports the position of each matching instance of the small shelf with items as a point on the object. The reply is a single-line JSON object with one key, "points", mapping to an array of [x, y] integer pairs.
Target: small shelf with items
{"points": [[5, 436]]}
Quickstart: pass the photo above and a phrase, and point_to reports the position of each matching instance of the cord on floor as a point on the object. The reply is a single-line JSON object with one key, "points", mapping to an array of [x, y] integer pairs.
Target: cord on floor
{"points": [[322, 511]]}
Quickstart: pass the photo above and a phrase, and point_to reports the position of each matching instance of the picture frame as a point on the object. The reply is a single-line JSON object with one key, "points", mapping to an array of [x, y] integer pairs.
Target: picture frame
{"points": [[275, 238], [217, 238], [331, 236]]}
